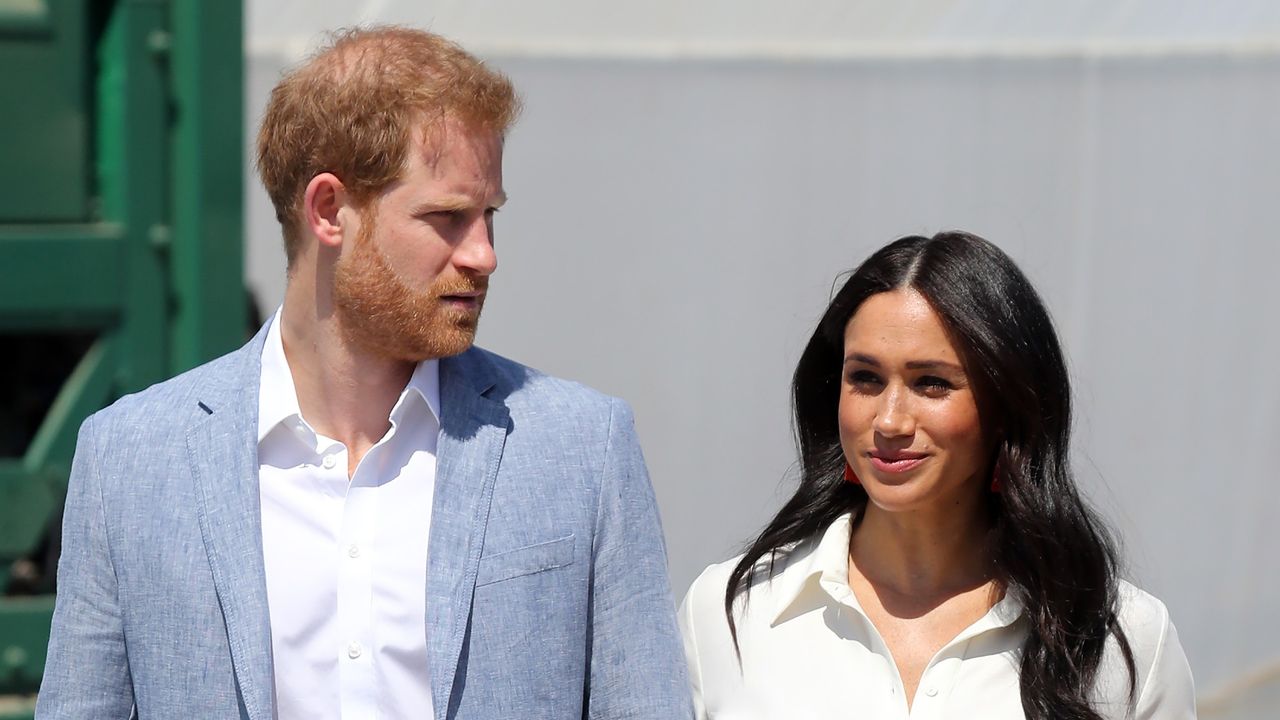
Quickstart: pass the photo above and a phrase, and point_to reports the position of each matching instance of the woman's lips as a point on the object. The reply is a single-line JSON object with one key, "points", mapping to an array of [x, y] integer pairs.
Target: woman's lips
{"points": [[897, 462]]}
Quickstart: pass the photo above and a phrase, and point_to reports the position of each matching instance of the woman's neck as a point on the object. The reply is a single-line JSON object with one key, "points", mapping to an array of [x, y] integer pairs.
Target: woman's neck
{"points": [[923, 554]]}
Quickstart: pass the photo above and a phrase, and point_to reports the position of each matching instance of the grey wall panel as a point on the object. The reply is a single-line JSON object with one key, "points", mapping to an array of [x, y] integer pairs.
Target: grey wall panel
{"points": [[675, 227]]}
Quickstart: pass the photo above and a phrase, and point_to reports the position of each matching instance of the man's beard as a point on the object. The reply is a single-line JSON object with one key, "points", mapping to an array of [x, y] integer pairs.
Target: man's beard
{"points": [[380, 313]]}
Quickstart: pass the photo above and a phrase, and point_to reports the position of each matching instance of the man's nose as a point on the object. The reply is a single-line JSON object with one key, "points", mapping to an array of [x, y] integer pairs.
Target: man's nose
{"points": [[474, 252]]}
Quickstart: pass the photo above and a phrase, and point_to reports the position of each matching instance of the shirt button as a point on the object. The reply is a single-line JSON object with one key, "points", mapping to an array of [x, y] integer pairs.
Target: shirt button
{"points": [[328, 462], [353, 551], [354, 650], [931, 692]]}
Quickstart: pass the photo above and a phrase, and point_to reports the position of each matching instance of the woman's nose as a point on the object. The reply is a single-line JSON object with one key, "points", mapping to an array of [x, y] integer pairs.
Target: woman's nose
{"points": [[893, 417]]}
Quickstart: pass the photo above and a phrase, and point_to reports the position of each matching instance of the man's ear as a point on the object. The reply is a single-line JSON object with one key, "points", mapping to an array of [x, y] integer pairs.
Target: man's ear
{"points": [[324, 197]]}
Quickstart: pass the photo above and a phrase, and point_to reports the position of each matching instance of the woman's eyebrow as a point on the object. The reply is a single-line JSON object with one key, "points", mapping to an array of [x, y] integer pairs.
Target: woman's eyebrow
{"points": [[910, 365], [932, 364]]}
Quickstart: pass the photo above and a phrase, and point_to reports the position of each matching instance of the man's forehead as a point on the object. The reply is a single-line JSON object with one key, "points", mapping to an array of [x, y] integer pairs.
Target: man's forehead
{"points": [[433, 140]]}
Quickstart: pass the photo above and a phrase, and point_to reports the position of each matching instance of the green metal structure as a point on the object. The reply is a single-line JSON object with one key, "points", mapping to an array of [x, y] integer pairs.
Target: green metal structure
{"points": [[120, 249]]}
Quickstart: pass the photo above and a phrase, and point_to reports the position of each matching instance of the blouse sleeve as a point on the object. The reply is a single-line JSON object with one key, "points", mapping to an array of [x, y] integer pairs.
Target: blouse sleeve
{"points": [[1168, 692], [687, 631]]}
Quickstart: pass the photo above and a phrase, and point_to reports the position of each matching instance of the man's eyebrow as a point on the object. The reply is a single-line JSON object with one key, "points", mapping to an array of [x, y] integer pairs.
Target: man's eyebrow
{"points": [[448, 203]]}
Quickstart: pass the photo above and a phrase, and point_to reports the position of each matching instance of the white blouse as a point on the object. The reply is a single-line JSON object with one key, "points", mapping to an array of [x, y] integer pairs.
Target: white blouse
{"points": [[810, 652]]}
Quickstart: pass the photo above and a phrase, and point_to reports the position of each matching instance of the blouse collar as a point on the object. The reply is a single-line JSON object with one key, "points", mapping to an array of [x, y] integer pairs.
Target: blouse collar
{"points": [[816, 572]]}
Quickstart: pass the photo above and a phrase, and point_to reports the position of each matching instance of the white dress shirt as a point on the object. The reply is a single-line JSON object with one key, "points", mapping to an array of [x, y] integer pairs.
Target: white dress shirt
{"points": [[346, 559], [810, 652]]}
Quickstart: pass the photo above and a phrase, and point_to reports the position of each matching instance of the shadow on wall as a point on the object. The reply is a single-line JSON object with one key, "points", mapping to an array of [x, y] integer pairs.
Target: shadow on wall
{"points": [[1253, 697]]}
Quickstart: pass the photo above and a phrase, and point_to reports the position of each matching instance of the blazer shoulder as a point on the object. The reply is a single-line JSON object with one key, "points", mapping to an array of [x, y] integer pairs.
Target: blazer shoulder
{"points": [[176, 399], [526, 386]]}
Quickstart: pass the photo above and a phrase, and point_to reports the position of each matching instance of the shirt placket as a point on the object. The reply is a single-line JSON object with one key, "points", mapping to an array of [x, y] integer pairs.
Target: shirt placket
{"points": [[940, 675], [358, 680], [838, 589], [936, 682]]}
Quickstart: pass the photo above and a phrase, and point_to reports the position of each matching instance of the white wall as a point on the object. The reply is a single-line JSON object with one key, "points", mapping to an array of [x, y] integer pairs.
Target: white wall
{"points": [[687, 182]]}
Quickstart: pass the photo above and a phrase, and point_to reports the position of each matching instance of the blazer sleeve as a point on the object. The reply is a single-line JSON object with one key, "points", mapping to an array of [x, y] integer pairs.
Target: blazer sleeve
{"points": [[637, 666], [86, 673]]}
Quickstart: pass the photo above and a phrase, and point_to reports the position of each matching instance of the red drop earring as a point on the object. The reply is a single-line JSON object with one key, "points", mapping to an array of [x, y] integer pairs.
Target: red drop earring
{"points": [[850, 476]]}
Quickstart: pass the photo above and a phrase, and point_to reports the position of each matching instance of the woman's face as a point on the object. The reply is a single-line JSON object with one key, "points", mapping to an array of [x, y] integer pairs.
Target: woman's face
{"points": [[908, 417]]}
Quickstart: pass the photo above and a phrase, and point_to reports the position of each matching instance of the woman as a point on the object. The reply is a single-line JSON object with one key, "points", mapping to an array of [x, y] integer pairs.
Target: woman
{"points": [[937, 560]]}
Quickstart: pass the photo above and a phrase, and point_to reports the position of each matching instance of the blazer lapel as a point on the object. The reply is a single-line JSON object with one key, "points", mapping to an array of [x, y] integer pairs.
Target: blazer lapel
{"points": [[224, 463], [473, 430]]}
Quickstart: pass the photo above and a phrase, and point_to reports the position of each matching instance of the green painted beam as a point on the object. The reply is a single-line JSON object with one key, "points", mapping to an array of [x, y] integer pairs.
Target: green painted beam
{"points": [[24, 639], [25, 19], [17, 707], [208, 151], [45, 124], [88, 388], [29, 499], [133, 174], [61, 275]]}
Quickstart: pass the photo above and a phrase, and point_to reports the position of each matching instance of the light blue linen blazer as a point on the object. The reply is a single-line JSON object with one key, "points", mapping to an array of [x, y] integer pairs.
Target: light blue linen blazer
{"points": [[547, 591]]}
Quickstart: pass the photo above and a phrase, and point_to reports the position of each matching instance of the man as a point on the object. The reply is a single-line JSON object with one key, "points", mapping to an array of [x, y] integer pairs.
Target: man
{"points": [[358, 515]]}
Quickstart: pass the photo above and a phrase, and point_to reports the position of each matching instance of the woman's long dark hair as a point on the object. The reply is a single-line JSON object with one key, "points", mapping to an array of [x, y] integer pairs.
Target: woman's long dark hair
{"points": [[1049, 547]]}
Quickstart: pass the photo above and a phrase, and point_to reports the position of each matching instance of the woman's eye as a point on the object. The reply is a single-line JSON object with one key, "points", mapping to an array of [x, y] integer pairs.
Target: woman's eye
{"points": [[934, 385], [864, 379]]}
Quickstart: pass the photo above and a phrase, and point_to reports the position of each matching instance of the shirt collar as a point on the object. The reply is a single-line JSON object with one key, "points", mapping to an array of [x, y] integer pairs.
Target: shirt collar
{"points": [[822, 574], [278, 396], [824, 567], [424, 385]]}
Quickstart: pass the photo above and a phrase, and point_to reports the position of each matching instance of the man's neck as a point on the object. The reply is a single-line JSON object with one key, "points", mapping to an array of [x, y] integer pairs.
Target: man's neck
{"points": [[344, 392]]}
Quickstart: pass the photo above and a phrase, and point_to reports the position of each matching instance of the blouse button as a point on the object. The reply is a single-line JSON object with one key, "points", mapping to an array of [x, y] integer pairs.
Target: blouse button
{"points": [[328, 462], [931, 692]]}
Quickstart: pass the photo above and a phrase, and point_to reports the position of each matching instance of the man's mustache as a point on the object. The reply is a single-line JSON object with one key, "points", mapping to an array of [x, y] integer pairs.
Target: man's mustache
{"points": [[460, 286]]}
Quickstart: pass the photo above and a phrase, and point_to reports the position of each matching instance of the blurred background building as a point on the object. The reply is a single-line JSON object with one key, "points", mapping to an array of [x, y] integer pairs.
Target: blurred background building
{"points": [[690, 178]]}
